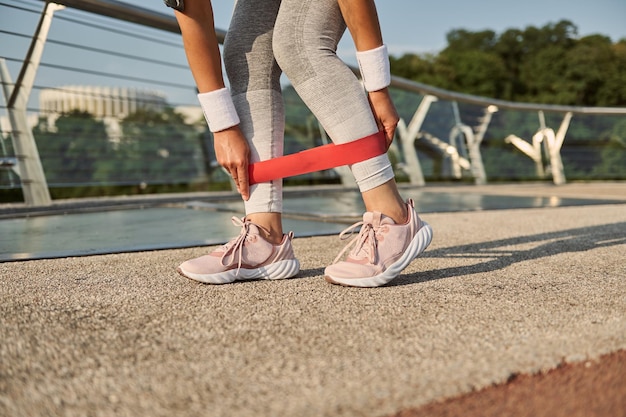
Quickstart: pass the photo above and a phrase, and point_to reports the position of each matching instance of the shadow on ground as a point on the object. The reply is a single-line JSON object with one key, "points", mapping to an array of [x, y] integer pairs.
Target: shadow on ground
{"points": [[505, 252]]}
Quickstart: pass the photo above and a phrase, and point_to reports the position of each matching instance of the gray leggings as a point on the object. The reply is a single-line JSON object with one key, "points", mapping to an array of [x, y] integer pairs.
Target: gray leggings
{"points": [[298, 37]]}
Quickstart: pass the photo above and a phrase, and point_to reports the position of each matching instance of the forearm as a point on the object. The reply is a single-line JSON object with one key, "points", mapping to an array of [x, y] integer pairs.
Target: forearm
{"points": [[201, 45], [362, 21]]}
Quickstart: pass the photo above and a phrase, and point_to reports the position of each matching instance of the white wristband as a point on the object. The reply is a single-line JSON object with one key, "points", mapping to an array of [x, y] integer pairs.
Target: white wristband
{"points": [[374, 66], [219, 110]]}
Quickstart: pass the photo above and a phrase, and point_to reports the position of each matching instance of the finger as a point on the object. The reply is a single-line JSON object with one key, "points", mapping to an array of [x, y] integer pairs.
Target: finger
{"points": [[381, 125], [233, 175], [243, 184], [390, 131], [382, 128]]}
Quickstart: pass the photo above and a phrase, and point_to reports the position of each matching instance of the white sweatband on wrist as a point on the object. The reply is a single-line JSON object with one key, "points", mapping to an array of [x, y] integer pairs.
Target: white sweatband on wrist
{"points": [[219, 110], [374, 66]]}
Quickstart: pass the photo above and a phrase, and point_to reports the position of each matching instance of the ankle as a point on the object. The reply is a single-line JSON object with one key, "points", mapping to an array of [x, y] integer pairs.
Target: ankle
{"points": [[274, 238], [271, 228], [399, 215], [387, 200]]}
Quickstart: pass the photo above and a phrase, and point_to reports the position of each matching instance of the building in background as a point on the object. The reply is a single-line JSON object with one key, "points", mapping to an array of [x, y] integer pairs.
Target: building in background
{"points": [[109, 104], [101, 102]]}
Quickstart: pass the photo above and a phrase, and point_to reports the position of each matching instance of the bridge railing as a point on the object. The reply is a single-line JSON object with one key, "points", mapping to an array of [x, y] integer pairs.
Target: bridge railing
{"points": [[98, 99]]}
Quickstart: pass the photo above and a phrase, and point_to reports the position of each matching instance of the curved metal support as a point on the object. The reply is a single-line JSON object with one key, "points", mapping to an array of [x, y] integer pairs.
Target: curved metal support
{"points": [[533, 151], [448, 151], [473, 145], [555, 142], [411, 165], [408, 135], [478, 168], [552, 143]]}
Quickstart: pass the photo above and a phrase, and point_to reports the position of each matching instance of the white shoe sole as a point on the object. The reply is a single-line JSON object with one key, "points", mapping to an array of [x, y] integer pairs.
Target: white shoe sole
{"points": [[420, 242], [277, 270]]}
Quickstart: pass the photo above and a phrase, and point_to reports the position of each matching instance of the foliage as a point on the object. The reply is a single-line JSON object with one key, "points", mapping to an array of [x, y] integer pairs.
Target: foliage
{"points": [[156, 148], [153, 149], [613, 155], [550, 64], [72, 149]]}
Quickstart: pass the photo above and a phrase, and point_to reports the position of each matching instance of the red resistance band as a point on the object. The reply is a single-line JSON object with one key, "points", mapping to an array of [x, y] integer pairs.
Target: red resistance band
{"points": [[318, 159]]}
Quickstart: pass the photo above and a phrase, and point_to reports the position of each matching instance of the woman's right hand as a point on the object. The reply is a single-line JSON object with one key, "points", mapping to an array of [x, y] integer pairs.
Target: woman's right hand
{"points": [[385, 113], [233, 153]]}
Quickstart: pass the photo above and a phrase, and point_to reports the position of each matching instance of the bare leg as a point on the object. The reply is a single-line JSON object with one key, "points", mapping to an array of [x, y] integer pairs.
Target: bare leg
{"points": [[255, 83], [270, 221], [386, 199]]}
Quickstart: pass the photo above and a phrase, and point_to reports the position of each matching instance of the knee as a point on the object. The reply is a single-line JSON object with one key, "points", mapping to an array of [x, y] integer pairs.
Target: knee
{"points": [[233, 57], [281, 46], [290, 58]]}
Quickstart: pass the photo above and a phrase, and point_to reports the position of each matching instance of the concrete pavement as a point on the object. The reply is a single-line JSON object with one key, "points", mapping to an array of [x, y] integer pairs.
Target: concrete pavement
{"points": [[497, 293]]}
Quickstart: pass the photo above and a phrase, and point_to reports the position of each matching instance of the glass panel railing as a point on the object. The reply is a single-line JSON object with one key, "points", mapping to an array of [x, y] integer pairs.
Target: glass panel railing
{"points": [[111, 106]]}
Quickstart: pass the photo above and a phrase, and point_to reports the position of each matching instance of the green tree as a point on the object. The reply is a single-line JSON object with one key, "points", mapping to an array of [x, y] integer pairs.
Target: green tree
{"points": [[415, 67], [541, 74], [464, 40], [71, 150], [590, 63], [157, 147], [471, 71], [613, 155], [547, 64], [510, 48], [613, 91]]}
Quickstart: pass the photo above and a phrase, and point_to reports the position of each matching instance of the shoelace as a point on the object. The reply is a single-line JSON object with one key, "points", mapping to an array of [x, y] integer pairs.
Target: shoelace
{"points": [[367, 235], [234, 248]]}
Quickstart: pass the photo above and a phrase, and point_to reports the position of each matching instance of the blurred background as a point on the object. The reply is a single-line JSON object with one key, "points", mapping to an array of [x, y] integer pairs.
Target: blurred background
{"points": [[98, 99]]}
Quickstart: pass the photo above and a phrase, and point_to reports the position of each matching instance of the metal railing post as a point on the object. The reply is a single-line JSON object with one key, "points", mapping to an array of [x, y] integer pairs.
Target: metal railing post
{"points": [[32, 177], [555, 142], [478, 168], [408, 135], [552, 144]]}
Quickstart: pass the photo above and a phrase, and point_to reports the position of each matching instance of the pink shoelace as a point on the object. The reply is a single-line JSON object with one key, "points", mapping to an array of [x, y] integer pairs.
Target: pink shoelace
{"points": [[366, 240], [233, 250]]}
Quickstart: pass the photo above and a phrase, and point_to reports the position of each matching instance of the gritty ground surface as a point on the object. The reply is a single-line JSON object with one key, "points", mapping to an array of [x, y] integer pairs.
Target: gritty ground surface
{"points": [[587, 389], [497, 296]]}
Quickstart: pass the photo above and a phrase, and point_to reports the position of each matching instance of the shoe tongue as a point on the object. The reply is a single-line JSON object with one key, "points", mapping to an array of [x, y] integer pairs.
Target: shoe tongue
{"points": [[253, 229], [376, 218]]}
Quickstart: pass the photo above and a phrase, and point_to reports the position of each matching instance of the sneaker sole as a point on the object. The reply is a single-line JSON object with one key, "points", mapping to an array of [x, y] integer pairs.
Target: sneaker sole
{"points": [[277, 270], [420, 242]]}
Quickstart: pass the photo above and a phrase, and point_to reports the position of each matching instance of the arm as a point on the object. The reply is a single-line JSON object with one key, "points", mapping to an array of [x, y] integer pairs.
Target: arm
{"points": [[362, 21], [201, 47]]}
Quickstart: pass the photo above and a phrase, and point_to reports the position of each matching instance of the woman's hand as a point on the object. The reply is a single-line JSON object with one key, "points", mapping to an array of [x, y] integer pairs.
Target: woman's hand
{"points": [[233, 153], [384, 112]]}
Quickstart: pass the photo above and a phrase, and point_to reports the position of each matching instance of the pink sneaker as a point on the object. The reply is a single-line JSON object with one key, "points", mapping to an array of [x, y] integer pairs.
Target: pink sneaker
{"points": [[381, 250], [248, 256]]}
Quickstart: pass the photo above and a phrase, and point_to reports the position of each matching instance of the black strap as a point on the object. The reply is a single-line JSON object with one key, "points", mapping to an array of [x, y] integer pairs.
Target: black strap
{"points": [[175, 4]]}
